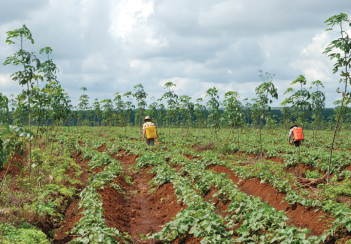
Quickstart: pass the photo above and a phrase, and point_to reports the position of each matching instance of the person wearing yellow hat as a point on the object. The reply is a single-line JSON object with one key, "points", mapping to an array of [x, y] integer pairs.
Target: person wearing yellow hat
{"points": [[150, 142]]}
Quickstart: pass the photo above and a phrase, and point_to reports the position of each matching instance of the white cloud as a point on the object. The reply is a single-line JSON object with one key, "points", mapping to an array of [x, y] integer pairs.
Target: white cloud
{"points": [[128, 15], [110, 46]]}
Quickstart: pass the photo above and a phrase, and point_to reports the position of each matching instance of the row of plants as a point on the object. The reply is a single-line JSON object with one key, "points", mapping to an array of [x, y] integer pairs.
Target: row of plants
{"points": [[340, 211], [198, 182], [91, 228]]}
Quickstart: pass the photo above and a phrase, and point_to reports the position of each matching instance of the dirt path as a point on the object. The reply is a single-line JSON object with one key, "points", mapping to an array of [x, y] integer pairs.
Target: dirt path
{"points": [[139, 210]]}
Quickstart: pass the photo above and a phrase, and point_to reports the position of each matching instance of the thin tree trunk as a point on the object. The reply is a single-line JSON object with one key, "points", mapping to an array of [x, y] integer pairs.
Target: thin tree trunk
{"points": [[336, 128], [261, 140], [30, 139], [238, 140]]}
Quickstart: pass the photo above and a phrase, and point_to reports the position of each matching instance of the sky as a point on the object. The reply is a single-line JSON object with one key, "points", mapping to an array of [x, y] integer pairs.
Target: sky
{"points": [[109, 46]]}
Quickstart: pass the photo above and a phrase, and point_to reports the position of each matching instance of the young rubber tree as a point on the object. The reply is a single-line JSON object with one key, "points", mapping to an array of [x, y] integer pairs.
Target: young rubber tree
{"points": [[162, 113], [107, 107], [248, 111], [120, 106], [172, 102], [213, 108], [264, 92], [187, 111], [233, 112], [200, 113], [299, 100], [153, 111], [140, 96], [317, 104], [83, 105], [97, 111], [339, 49], [129, 106], [27, 76], [343, 113], [286, 117]]}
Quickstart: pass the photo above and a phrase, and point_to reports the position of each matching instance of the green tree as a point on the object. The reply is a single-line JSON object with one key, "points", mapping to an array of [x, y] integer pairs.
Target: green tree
{"points": [[140, 96], [83, 105], [200, 112], [98, 111], [263, 92], [172, 102], [162, 113], [153, 111], [107, 111], [233, 112], [317, 104], [27, 76], [339, 49], [129, 106], [187, 111], [248, 110], [286, 117], [299, 100], [120, 106], [213, 107]]}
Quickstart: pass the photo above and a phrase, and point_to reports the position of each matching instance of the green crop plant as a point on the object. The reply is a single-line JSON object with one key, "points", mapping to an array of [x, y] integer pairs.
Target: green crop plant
{"points": [[14, 145], [4, 109], [21, 234], [339, 49], [312, 174]]}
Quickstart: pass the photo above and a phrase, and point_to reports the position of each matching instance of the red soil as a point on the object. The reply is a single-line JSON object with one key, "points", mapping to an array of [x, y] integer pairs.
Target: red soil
{"points": [[299, 215], [71, 216], [62, 231], [13, 171], [139, 211], [102, 148]]}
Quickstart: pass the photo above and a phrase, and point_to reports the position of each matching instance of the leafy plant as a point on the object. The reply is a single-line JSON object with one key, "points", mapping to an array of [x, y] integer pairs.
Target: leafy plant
{"points": [[339, 49]]}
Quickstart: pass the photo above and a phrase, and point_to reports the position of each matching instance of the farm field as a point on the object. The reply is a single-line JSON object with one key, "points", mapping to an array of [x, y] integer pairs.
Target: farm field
{"points": [[222, 170], [104, 184]]}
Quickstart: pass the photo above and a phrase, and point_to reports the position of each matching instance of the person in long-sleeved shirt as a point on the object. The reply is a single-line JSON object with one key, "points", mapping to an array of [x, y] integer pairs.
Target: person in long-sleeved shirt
{"points": [[297, 143]]}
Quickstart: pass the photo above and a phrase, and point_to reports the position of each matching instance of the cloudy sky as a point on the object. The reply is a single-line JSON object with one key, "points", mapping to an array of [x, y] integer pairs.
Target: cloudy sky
{"points": [[109, 46]]}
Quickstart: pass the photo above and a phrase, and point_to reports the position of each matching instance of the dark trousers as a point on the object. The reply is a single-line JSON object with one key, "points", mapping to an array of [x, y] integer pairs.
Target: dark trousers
{"points": [[297, 143], [150, 142]]}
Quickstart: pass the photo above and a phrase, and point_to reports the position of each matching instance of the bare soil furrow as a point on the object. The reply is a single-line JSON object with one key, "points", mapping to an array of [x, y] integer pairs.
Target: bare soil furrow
{"points": [[299, 215], [139, 210], [62, 232]]}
